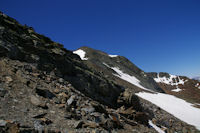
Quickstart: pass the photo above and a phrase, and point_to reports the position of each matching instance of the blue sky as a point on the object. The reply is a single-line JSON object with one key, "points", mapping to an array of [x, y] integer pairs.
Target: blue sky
{"points": [[156, 35]]}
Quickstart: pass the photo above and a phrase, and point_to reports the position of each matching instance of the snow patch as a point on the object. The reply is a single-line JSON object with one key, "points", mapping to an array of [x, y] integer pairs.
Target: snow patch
{"points": [[113, 56], [170, 80], [197, 85], [131, 79], [175, 106], [176, 90], [81, 53], [159, 130]]}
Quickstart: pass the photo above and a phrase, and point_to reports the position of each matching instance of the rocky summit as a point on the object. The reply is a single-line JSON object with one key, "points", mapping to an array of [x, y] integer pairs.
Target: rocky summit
{"points": [[47, 88]]}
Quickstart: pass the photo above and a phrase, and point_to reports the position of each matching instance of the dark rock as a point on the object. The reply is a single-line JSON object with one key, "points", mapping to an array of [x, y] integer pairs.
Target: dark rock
{"points": [[28, 83], [68, 116], [45, 121], [28, 68], [3, 92], [141, 118], [78, 124], [99, 108], [45, 93], [129, 99], [40, 116]]}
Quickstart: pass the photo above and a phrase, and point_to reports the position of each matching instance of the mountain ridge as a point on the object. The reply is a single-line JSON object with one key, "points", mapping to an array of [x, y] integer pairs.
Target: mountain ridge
{"points": [[42, 83], [100, 58]]}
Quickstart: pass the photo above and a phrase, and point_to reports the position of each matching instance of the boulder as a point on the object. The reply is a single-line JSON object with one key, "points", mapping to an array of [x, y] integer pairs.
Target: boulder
{"points": [[37, 102]]}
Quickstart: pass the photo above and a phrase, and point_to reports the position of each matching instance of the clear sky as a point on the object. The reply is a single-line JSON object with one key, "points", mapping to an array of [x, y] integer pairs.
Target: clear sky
{"points": [[156, 35]]}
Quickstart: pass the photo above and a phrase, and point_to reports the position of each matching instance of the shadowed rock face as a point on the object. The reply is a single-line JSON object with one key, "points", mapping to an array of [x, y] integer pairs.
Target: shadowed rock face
{"points": [[24, 44], [97, 60]]}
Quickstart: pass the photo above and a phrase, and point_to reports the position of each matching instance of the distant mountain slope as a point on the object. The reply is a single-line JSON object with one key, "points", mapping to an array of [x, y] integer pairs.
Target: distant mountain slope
{"points": [[118, 66], [179, 86], [196, 78], [119, 69]]}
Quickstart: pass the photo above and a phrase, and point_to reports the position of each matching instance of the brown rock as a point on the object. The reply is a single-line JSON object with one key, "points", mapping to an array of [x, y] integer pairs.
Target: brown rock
{"points": [[90, 125], [61, 105], [141, 118], [8, 79], [63, 94], [12, 128], [56, 91], [35, 100]]}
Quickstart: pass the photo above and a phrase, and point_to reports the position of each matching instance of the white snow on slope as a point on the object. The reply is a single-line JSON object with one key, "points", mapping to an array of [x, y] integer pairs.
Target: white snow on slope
{"points": [[113, 56], [81, 53], [175, 106], [176, 90], [169, 80], [131, 79], [159, 130]]}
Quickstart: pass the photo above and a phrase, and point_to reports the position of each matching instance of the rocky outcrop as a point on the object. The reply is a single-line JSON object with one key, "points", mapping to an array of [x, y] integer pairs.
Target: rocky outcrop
{"points": [[22, 43]]}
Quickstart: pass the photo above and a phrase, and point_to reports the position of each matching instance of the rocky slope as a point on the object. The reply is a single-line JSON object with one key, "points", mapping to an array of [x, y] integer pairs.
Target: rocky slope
{"points": [[44, 87], [124, 73]]}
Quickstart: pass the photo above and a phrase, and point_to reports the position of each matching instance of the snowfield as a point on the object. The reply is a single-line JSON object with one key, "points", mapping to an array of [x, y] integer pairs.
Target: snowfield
{"points": [[131, 79], [81, 53], [175, 106]]}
